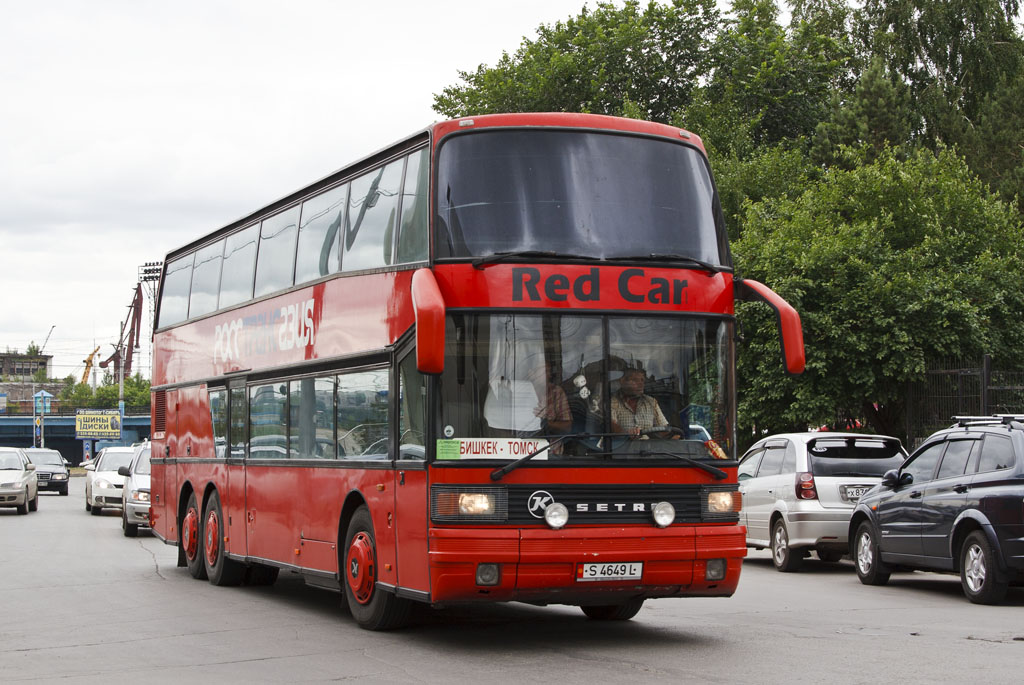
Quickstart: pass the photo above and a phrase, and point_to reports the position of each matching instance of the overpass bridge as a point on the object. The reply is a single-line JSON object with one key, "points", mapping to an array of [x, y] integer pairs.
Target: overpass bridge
{"points": [[59, 434]]}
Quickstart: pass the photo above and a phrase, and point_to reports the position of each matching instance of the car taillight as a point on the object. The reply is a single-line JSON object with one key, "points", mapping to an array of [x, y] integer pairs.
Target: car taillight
{"points": [[805, 486]]}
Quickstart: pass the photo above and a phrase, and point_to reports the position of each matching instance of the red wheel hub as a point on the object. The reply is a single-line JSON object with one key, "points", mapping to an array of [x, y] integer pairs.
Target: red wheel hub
{"points": [[360, 568], [212, 542], [190, 533]]}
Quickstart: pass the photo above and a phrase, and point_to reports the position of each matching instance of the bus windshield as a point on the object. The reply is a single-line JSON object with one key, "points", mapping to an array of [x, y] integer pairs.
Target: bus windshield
{"points": [[596, 195], [601, 387]]}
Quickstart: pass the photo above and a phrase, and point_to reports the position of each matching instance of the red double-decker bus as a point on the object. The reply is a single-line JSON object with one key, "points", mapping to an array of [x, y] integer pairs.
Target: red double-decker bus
{"points": [[492, 362]]}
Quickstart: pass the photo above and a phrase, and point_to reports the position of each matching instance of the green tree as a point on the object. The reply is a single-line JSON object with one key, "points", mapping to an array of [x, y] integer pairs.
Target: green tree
{"points": [[892, 265], [32, 350], [612, 60], [995, 147], [40, 375]]}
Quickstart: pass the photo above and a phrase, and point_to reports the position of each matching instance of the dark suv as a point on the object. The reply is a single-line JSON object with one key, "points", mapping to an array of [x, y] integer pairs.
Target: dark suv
{"points": [[956, 505]]}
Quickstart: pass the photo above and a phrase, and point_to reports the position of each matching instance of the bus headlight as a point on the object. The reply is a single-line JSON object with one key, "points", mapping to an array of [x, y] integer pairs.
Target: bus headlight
{"points": [[556, 515], [664, 514], [468, 503], [476, 504], [722, 501]]}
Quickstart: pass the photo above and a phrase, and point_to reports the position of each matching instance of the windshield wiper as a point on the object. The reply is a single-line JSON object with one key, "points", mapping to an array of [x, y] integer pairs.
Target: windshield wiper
{"points": [[718, 473], [498, 474], [657, 256], [481, 262]]}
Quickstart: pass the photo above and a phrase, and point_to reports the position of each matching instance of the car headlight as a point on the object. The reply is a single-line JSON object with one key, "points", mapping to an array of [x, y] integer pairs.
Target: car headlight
{"points": [[140, 495], [59, 476], [8, 485], [101, 483]]}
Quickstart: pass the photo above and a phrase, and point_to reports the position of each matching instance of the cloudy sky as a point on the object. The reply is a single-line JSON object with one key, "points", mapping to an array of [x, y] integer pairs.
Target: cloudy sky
{"points": [[131, 127]]}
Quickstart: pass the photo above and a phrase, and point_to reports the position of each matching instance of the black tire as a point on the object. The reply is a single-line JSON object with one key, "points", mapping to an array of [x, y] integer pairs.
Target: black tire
{"points": [[64, 491], [34, 504], [96, 510], [614, 612], [371, 607], [259, 574], [867, 558], [88, 507], [219, 568], [829, 555], [982, 581], [130, 529], [190, 538], [785, 558], [23, 507]]}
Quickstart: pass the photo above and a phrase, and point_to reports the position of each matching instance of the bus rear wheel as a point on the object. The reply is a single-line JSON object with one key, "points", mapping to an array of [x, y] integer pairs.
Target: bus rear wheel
{"points": [[614, 612], [189, 536], [219, 568], [371, 607]]}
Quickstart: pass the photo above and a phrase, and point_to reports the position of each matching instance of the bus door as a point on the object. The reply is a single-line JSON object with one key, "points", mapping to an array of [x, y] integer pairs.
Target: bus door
{"points": [[234, 505], [411, 483]]}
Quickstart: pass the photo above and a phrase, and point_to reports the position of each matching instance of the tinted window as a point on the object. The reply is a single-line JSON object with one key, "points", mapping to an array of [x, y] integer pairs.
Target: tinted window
{"points": [[771, 464], [275, 263], [412, 239], [370, 225], [48, 457], [363, 426], [268, 420], [219, 419], [206, 279], [575, 192], [239, 261], [996, 453], [846, 457], [412, 414], [311, 430], [238, 412], [748, 467], [923, 464], [174, 293], [319, 235], [954, 462]]}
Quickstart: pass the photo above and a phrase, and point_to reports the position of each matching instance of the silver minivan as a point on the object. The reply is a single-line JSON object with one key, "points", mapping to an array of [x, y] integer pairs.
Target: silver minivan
{"points": [[799, 490]]}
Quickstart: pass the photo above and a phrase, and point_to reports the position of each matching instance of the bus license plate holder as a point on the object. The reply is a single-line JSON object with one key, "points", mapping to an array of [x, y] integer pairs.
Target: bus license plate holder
{"points": [[609, 571]]}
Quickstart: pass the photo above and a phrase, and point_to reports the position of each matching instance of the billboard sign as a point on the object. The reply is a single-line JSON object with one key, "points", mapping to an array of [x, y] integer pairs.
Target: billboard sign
{"points": [[98, 424]]}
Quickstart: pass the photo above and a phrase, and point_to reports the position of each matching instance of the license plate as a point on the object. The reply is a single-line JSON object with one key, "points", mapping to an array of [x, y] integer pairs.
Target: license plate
{"points": [[629, 570], [856, 493]]}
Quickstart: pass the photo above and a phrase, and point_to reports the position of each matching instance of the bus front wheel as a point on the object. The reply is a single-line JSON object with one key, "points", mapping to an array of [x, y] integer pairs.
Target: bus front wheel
{"points": [[372, 608], [614, 612]]}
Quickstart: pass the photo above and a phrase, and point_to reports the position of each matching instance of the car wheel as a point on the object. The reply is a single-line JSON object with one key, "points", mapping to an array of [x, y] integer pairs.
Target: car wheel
{"points": [[23, 507], [189, 535], [614, 612], [130, 529], [34, 504], [64, 491], [371, 607], [219, 569], [785, 558], [88, 507], [829, 555], [979, 572], [96, 510], [867, 559]]}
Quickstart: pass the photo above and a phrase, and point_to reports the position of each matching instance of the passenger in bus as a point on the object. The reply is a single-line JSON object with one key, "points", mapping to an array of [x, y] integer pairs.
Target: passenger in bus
{"points": [[634, 412], [553, 405]]}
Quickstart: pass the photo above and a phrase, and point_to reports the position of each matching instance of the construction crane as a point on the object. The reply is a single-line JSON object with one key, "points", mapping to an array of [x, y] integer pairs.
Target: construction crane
{"points": [[130, 335], [47, 338], [88, 365]]}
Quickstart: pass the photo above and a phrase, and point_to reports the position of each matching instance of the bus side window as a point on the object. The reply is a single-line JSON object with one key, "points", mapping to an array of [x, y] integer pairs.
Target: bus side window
{"points": [[372, 206], [319, 230], [239, 265], [175, 291], [311, 420], [275, 261], [412, 238], [411, 409], [363, 410], [238, 413], [219, 421]]}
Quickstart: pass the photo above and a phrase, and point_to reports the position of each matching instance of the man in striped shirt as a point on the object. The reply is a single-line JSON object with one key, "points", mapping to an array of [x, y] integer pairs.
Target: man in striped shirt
{"points": [[634, 412]]}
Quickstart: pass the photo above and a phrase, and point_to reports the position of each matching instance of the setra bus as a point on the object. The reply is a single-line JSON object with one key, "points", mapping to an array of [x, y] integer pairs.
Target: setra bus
{"points": [[494, 361]]}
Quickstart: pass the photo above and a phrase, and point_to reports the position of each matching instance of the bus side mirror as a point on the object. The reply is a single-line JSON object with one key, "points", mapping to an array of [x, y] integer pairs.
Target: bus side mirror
{"points": [[428, 306], [790, 330]]}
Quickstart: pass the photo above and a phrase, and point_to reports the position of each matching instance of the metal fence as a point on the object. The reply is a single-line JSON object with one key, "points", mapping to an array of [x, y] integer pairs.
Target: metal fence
{"points": [[961, 388]]}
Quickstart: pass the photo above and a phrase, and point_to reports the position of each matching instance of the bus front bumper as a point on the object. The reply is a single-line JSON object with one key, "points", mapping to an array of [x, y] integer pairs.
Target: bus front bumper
{"points": [[543, 566]]}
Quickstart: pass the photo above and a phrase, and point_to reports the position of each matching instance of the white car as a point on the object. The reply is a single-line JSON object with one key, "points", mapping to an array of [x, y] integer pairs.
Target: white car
{"points": [[135, 494], [18, 484], [800, 489], [103, 484]]}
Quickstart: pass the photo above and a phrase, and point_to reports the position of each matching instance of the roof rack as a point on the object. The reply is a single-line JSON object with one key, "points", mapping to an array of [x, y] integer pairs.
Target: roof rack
{"points": [[1005, 419]]}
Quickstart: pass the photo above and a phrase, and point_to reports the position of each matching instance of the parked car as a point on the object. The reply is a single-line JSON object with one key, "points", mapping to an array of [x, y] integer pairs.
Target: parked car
{"points": [[955, 506], [799, 490], [18, 486], [103, 484], [135, 493], [51, 469]]}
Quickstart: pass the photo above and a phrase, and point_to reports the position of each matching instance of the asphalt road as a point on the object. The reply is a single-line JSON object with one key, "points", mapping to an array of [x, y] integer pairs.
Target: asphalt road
{"points": [[80, 603]]}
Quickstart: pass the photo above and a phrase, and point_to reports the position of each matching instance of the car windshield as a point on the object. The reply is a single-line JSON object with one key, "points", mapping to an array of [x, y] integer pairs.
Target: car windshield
{"points": [[586, 385], [10, 461], [854, 456], [48, 458], [142, 465], [112, 461]]}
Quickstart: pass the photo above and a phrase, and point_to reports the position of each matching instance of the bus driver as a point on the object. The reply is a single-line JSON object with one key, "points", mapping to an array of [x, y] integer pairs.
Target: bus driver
{"points": [[634, 412]]}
